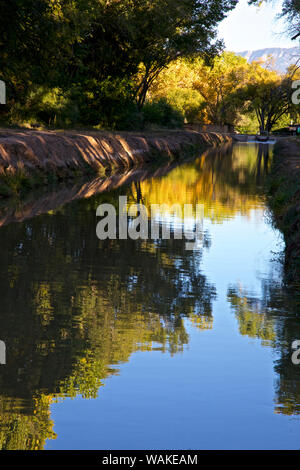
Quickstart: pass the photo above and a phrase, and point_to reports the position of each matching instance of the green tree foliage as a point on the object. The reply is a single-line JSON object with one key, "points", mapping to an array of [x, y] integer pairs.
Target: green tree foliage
{"points": [[168, 29], [268, 95], [218, 85], [162, 113], [229, 91], [175, 84], [204, 92], [102, 55], [38, 46]]}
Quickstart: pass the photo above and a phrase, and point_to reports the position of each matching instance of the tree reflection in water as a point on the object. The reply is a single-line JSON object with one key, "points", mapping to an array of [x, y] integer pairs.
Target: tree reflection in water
{"points": [[73, 306], [274, 319]]}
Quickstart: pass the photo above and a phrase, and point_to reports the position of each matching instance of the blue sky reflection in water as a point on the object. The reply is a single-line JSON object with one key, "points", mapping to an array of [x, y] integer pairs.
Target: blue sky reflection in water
{"points": [[127, 345], [218, 393]]}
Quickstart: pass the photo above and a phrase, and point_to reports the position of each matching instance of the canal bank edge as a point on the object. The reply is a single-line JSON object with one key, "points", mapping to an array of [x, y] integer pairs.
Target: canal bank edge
{"points": [[30, 159], [284, 200]]}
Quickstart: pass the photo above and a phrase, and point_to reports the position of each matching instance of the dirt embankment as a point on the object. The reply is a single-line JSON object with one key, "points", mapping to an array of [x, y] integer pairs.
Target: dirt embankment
{"points": [[63, 153], [284, 200]]}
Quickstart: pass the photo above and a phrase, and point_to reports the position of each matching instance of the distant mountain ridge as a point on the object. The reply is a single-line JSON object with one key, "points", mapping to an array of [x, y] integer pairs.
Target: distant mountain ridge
{"points": [[283, 57]]}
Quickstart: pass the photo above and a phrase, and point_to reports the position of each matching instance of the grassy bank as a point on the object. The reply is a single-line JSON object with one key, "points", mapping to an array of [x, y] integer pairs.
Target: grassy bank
{"points": [[284, 201], [30, 159]]}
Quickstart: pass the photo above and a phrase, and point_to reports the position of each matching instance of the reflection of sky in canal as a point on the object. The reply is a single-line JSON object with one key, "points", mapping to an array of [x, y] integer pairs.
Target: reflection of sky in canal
{"points": [[223, 382], [192, 347]]}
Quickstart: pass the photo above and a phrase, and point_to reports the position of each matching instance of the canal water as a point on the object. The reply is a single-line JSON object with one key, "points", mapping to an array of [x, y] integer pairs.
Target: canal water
{"points": [[142, 344]]}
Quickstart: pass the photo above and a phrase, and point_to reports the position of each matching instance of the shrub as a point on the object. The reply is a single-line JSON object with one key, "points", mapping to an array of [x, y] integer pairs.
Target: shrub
{"points": [[161, 113], [108, 104], [48, 106]]}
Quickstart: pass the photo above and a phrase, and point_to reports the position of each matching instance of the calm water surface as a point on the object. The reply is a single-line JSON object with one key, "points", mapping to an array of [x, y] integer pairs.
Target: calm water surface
{"points": [[142, 344]]}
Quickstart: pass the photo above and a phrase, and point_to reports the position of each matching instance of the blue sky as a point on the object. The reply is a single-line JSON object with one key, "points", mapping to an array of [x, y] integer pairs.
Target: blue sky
{"points": [[250, 28]]}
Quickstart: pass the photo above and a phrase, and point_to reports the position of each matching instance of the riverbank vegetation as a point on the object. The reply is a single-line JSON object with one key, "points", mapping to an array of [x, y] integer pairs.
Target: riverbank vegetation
{"points": [[284, 201], [91, 63], [229, 91], [129, 65]]}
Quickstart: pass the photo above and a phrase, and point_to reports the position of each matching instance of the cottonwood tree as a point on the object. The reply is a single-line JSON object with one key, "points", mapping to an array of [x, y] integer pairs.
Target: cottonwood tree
{"points": [[38, 43], [101, 50], [268, 95], [218, 86], [165, 30]]}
